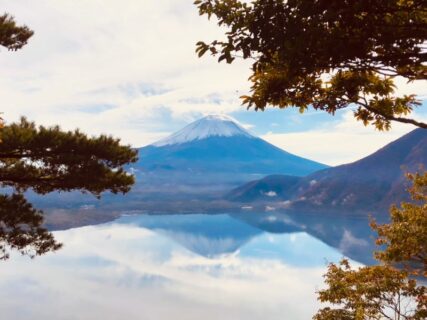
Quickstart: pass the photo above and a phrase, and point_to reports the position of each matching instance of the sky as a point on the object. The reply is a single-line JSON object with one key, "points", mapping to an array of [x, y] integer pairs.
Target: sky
{"points": [[128, 68]]}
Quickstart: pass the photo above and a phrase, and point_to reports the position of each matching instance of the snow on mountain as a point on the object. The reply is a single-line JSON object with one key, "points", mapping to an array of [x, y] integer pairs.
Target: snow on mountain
{"points": [[209, 126], [214, 152]]}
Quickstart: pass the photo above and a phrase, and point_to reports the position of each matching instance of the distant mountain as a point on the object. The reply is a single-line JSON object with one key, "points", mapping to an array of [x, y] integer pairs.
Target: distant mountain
{"points": [[371, 183], [190, 168], [213, 153]]}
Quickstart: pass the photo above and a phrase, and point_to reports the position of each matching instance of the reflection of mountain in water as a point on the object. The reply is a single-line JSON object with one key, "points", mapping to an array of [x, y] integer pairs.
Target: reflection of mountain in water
{"points": [[214, 235], [206, 235], [351, 235]]}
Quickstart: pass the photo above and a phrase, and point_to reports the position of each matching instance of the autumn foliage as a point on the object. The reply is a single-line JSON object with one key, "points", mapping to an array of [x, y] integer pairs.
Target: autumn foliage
{"points": [[326, 55], [395, 289]]}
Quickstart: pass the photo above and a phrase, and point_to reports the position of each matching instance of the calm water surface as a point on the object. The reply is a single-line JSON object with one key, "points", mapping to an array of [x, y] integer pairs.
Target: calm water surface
{"points": [[265, 266]]}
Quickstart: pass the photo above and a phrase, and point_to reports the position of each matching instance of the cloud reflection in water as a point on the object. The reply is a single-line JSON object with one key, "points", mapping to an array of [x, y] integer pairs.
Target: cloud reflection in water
{"points": [[168, 267]]}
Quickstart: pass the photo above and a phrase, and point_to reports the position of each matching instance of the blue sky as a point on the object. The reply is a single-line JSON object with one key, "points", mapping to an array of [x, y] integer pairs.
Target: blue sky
{"points": [[128, 68]]}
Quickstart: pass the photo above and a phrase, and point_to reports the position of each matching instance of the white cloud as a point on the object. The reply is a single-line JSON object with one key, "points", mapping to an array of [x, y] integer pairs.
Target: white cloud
{"points": [[108, 66], [339, 143]]}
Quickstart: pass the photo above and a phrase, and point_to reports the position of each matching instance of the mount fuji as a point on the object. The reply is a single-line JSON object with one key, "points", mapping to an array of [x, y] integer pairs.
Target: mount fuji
{"points": [[213, 153], [209, 126], [191, 170]]}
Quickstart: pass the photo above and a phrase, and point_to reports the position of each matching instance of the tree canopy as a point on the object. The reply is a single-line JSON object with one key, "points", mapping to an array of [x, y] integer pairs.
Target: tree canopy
{"points": [[46, 159], [386, 291], [21, 228], [12, 36], [405, 238], [375, 292], [49, 159], [324, 54]]}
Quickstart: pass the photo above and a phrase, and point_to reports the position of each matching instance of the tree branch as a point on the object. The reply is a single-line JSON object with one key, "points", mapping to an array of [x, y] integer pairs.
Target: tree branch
{"points": [[393, 118]]}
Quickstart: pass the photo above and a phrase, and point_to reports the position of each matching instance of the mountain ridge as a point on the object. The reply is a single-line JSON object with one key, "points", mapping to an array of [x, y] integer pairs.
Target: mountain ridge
{"points": [[373, 182]]}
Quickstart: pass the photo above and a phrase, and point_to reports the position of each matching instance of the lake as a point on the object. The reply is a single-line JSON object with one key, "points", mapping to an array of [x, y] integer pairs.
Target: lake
{"points": [[226, 266]]}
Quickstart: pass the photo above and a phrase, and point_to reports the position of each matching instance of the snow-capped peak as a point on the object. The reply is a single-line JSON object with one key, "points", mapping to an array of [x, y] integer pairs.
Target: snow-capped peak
{"points": [[210, 126]]}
